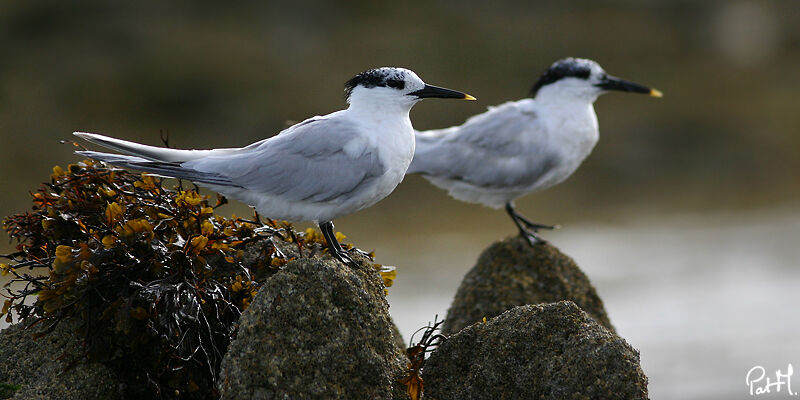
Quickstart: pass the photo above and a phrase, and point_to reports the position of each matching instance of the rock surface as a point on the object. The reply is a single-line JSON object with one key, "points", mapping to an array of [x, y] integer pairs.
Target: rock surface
{"points": [[550, 351], [398, 337], [511, 273], [51, 366], [317, 329]]}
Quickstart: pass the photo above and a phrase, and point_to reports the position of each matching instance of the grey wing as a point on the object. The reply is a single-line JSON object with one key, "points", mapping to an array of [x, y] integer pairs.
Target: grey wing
{"points": [[317, 160], [504, 147]]}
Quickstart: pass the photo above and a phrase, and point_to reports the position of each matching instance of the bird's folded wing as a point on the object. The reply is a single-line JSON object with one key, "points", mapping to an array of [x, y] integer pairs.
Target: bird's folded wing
{"points": [[317, 161], [500, 148]]}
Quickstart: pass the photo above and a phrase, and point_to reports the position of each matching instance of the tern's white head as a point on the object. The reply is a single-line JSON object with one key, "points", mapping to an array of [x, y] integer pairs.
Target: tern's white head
{"points": [[391, 86], [582, 79]]}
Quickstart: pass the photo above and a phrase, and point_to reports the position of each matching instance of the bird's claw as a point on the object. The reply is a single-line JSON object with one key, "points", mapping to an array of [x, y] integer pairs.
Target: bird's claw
{"points": [[535, 227], [361, 252], [532, 238], [344, 257], [265, 229]]}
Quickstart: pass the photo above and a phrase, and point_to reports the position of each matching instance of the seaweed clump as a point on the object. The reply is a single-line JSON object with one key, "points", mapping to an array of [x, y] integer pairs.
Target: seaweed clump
{"points": [[157, 279], [418, 353]]}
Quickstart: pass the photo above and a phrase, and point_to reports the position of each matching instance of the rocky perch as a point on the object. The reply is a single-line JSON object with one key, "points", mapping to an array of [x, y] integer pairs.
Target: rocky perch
{"points": [[526, 323], [317, 329], [128, 289], [321, 330], [52, 366], [510, 273], [549, 351]]}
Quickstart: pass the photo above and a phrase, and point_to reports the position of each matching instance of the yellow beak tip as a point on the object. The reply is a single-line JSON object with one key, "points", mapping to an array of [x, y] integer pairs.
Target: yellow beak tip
{"points": [[469, 97], [656, 93]]}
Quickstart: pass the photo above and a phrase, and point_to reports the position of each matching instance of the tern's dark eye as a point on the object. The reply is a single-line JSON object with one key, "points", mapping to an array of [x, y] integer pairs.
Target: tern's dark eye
{"points": [[396, 83]]}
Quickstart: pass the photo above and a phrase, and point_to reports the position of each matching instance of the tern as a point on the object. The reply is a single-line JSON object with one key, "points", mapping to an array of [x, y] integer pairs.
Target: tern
{"points": [[521, 146], [317, 170]]}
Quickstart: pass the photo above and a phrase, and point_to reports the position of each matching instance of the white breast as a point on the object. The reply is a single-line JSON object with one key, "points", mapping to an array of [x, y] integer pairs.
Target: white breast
{"points": [[572, 134], [394, 140]]}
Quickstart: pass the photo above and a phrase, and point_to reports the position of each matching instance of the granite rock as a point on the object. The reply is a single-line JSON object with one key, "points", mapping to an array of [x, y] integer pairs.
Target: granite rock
{"points": [[547, 351], [511, 273], [317, 329], [52, 366]]}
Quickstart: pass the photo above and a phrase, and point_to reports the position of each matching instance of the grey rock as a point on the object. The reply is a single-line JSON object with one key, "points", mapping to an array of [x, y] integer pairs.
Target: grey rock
{"points": [[317, 329], [511, 273], [551, 351], [398, 337], [52, 366]]}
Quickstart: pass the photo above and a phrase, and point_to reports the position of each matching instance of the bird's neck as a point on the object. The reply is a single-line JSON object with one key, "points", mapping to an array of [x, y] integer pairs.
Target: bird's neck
{"points": [[572, 117], [566, 96], [560, 105], [379, 111], [390, 132]]}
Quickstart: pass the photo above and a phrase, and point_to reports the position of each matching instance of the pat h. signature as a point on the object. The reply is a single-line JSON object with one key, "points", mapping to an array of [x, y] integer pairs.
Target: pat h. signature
{"points": [[759, 383]]}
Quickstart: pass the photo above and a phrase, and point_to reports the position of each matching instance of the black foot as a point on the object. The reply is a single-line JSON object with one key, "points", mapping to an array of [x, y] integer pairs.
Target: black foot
{"points": [[535, 227], [263, 229], [344, 257], [361, 252], [527, 229], [334, 247], [257, 217], [532, 238], [520, 219]]}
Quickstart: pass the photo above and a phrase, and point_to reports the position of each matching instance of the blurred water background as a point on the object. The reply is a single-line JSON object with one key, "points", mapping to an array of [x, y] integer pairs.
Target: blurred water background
{"points": [[685, 217]]}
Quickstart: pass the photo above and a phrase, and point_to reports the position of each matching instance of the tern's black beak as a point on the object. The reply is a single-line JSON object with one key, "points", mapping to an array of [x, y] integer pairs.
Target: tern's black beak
{"points": [[613, 83], [440, 92]]}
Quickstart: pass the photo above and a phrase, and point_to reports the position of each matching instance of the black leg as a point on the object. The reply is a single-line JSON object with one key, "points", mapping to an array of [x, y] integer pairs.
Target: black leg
{"points": [[527, 229], [533, 225], [521, 218], [334, 247]]}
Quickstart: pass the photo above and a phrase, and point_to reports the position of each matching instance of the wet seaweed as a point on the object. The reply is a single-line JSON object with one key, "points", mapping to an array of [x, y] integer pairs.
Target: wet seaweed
{"points": [[417, 353]]}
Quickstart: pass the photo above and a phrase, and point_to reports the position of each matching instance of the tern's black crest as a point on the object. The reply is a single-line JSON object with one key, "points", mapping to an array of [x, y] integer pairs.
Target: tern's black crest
{"points": [[564, 68], [378, 77]]}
